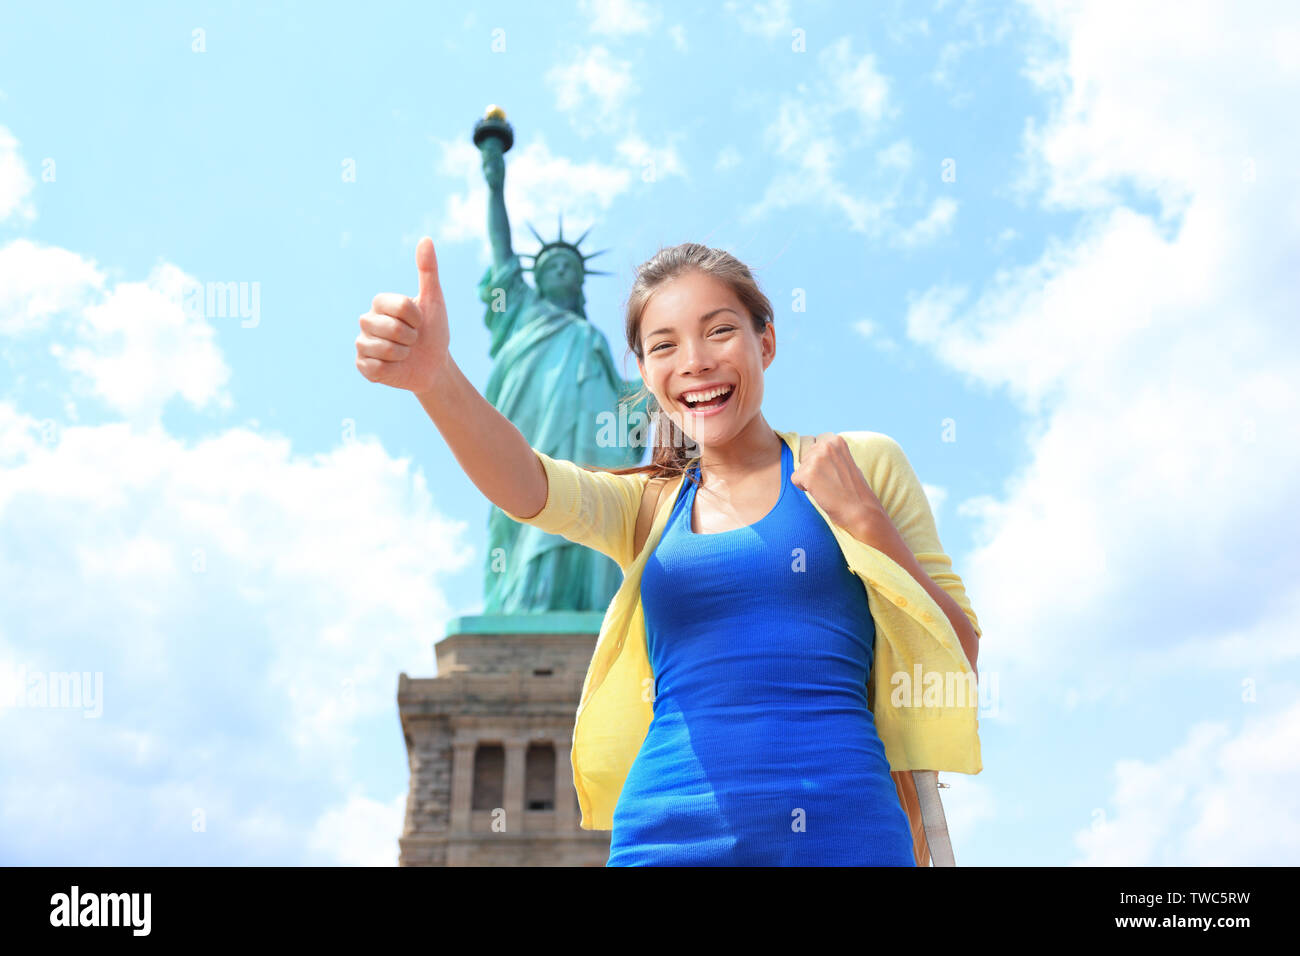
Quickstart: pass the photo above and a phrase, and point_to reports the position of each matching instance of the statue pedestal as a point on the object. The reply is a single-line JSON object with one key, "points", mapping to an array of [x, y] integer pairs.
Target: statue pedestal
{"points": [[488, 742], [544, 622]]}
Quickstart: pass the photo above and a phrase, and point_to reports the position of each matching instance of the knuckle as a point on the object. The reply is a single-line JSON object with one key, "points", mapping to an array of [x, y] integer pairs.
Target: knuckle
{"points": [[393, 330]]}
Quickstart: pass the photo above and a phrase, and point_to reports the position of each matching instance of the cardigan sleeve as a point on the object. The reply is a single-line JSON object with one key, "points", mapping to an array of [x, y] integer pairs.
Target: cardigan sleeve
{"points": [[595, 509], [895, 483]]}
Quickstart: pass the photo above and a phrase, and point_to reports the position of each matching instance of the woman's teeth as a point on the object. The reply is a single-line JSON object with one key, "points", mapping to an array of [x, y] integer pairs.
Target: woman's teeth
{"points": [[713, 403]]}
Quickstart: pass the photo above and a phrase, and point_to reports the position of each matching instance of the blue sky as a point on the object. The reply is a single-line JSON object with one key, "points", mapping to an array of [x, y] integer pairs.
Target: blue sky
{"points": [[1049, 248]]}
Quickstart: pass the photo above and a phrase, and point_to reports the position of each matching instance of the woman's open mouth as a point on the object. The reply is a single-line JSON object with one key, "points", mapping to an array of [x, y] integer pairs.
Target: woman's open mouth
{"points": [[712, 406]]}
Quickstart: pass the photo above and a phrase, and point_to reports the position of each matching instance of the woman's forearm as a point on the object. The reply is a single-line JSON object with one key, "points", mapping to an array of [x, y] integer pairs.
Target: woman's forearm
{"points": [[491, 450], [879, 532]]}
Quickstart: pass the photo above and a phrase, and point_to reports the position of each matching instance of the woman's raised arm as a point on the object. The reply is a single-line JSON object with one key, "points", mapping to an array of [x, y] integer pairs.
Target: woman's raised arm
{"points": [[405, 343], [491, 450]]}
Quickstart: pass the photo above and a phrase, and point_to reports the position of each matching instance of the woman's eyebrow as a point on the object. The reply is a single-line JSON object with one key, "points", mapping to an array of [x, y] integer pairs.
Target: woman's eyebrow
{"points": [[704, 318]]}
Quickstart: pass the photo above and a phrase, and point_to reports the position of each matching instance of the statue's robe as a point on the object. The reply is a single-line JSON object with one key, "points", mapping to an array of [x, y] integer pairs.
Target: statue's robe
{"points": [[552, 376]]}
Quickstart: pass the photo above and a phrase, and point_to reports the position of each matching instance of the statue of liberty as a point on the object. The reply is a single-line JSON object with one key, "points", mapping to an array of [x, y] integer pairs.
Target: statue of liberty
{"points": [[554, 379]]}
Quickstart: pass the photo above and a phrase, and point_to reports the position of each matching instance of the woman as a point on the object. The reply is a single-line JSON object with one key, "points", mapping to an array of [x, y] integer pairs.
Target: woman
{"points": [[762, 749]]}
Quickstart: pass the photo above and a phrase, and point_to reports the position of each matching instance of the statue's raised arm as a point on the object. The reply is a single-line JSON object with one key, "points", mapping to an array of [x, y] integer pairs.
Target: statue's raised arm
{"points": [[494, 171], [554, 378]]}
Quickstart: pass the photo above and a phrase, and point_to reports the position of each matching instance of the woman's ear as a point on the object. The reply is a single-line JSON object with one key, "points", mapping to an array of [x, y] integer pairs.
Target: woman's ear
{"points": [[768, 343]]}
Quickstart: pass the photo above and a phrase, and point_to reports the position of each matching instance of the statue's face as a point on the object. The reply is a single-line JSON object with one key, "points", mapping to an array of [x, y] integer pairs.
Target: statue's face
{"points": [[696, 333], [560, 275]]}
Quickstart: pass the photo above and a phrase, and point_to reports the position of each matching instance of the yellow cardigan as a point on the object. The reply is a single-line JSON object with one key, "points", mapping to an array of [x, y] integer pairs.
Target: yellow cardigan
{"points": [[920, 682]]}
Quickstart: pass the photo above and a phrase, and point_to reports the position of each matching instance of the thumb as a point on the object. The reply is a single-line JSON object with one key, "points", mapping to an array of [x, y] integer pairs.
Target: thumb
{"points": [[427, 264]]}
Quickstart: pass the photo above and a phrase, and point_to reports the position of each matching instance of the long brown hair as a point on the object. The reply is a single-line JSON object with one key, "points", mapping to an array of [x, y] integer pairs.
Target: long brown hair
{"points": [[674, 451]]}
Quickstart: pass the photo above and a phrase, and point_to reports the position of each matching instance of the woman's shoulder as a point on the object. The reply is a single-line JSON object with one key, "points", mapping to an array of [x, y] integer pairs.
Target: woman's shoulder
{"points": [[868, 440], [876, 453], [639, 479], [866, 443]]}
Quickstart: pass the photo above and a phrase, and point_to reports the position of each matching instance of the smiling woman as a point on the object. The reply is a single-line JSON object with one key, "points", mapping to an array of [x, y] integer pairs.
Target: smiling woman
{"points": [[703, 335], [738, 708], [762, 749]]}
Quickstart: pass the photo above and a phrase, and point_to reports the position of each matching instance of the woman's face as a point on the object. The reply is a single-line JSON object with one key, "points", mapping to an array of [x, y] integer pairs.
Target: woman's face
{"points": [[694, 334]]}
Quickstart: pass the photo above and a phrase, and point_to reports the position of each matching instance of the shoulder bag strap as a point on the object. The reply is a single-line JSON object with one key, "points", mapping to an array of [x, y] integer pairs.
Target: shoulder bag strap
{"points": [[650, 495]]}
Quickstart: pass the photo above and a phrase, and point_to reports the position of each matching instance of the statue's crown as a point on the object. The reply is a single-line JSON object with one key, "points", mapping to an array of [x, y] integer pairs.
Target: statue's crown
{"points": [[548, 248]]}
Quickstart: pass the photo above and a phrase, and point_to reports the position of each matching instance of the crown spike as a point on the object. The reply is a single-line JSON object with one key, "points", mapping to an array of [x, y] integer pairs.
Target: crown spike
{"points": [[561, 243]]}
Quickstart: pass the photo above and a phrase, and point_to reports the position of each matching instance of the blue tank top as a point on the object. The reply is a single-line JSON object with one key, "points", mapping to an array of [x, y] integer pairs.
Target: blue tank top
{"points": [[761, 750]]}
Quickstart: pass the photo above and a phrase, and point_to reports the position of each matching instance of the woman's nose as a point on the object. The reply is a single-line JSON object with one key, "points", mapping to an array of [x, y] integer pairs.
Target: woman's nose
{"points": [[695, 360]]}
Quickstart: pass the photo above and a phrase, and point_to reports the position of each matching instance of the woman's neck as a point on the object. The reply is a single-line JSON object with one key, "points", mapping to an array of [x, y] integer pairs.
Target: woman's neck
{"points": [[750, 451]]}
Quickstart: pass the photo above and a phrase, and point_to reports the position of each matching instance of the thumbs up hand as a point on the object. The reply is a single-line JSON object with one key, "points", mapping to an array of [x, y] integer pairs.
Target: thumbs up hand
{"points": [[404, 342]]}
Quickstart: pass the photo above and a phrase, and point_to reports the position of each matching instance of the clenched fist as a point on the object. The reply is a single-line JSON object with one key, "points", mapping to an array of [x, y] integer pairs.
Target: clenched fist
{"points": [[404, 342]]}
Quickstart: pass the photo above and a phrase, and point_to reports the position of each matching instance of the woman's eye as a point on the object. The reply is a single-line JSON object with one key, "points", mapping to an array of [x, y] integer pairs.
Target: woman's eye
{"points": [[721, 328]]}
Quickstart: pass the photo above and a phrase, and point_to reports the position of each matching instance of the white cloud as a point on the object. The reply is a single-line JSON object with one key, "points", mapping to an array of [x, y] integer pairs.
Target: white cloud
{"points": [[770, 18], [538, 185], [1215, 800], [1003, 238], [969, 804], [811, 135], [728, 158], [1153, 353], [897, 155], [619, 17], [936, 495], [594, 89], [38, 283], [361, 831], [248, 611], [139, 348], [846, 86], [654, 162], [1172, 124], [937, 222], [858, 83], [239, 612], [977, 26], [900, 31], [134, 346], [678, 34], [872, 332], [15, 182]]}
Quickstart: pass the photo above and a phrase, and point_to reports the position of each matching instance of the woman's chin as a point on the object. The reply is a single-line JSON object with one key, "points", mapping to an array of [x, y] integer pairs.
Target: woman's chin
{"points": [[710, 428], [704, 429]]}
